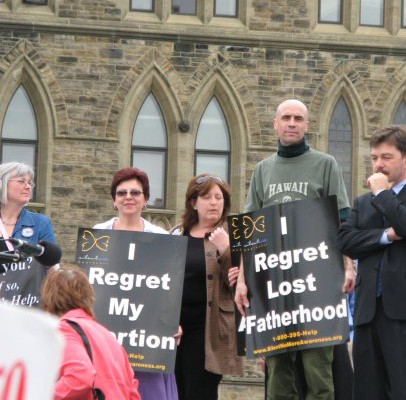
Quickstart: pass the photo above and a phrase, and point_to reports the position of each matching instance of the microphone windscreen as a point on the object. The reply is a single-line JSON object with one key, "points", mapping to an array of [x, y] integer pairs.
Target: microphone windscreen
{"points": [[52, 254]]}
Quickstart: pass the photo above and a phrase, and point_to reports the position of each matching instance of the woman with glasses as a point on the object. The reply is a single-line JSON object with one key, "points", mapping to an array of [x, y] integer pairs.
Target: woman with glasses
{"points": [[130, 194], [16, 186], [208, 346]]}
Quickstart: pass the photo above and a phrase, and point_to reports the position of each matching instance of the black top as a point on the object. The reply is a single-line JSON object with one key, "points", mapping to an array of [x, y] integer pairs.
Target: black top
{"points": [[193, 311], [293, 150]]}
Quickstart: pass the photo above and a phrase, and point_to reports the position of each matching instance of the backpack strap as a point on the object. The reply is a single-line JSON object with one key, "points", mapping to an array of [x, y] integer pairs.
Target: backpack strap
{"points": [[97, 393], [83, 336]]}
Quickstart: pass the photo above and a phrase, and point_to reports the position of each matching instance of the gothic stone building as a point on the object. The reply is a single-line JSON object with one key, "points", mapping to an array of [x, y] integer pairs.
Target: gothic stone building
{"points": [[177, 87]]}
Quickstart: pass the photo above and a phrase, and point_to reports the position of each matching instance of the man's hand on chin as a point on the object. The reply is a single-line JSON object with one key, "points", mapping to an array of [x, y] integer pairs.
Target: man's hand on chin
{"points": [[377, 182]]}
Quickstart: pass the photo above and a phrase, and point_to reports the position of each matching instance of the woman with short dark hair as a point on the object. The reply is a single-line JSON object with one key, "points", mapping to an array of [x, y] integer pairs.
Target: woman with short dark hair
{"points": [[67, 293], [130, 194]]}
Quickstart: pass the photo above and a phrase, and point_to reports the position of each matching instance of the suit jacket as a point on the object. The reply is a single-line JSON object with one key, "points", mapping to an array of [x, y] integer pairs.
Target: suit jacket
{"points": [[359, 238], [110, 370]]}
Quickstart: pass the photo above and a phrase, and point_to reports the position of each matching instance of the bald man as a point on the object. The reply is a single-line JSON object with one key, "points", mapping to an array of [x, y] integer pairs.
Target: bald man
{"points": [[296, 172]]}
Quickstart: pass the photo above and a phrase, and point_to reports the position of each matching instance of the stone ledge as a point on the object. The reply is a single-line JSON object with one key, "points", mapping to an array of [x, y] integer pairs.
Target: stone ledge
{"points": [[389, 45], [232, 380]]}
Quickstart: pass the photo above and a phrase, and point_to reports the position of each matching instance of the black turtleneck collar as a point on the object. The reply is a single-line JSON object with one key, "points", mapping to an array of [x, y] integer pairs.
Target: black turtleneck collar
{"points": [[293, 150]]}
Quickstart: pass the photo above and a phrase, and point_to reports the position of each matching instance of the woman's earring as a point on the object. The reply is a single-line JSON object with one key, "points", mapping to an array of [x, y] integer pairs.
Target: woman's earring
{"points": [[114, 207], [144, 207]]}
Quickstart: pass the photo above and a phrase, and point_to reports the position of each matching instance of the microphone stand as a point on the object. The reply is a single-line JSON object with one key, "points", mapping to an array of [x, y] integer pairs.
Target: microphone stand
{"points": [[10, 257], [7, 257]]}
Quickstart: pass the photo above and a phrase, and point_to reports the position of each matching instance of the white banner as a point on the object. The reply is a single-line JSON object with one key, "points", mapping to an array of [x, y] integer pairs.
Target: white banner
{"points": [[30, 354]]}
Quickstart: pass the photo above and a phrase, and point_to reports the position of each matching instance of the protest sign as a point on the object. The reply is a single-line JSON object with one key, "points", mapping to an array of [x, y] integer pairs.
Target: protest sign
{"points": [[30, 353], [20, 282], [138, 281], [294, 273]]}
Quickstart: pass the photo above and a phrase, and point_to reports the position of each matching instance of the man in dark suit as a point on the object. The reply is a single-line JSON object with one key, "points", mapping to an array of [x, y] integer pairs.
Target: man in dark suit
{"points": [[375, 235]]}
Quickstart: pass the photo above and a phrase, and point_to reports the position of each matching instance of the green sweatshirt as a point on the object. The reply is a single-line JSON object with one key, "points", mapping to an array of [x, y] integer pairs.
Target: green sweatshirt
{"points": [[310, 175]]}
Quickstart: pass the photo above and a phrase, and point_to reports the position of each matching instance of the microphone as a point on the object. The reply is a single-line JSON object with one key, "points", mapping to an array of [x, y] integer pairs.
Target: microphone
{"points": [[46, 253], [31, 249]]}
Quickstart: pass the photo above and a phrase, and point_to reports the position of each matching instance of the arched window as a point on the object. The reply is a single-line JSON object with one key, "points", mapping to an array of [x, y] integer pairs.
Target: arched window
{"points": [[225, 8], [19, 130], [403, 14], [36, 2], [142, 5], [186, 7], [212, 153], [330, 11], [400, 115], [340, 141], [149, 149], [372, 12]]}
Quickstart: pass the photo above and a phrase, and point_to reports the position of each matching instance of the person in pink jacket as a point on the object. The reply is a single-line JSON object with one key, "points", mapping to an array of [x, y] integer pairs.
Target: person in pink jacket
{"points": [[68, 294]]}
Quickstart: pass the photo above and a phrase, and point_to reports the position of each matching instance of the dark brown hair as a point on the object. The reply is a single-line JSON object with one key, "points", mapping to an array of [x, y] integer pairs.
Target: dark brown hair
{"points": [[392, 134], [65, 289], [194, 190], [126, 174]]}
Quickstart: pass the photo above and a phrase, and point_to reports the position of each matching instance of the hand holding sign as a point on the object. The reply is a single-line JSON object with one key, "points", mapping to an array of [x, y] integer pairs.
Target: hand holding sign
{"points": [[233, 275], [241, 293], [349, 275]]}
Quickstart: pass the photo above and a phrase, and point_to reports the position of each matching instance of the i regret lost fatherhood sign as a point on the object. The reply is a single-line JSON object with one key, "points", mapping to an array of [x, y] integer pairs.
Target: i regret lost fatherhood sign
{"points": [[138, 281], [294, 273]]}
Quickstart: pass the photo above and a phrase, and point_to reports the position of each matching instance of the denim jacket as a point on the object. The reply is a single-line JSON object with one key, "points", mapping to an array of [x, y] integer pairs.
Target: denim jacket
{"points": [[33, 227]]}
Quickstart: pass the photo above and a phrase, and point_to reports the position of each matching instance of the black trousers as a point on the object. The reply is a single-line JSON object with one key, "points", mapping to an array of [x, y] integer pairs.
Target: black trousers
{"points": [[343, 374], [193, 381], [380, 358]]}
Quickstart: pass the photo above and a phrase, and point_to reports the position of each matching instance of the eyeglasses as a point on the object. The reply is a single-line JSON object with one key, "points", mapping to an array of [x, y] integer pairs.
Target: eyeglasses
{"points": [[23, 182], [133, 193], [205, 178]]}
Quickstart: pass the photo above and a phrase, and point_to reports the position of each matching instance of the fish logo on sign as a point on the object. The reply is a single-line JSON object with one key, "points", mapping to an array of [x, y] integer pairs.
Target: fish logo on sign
{"points": [[252, 226], [90, 241]]}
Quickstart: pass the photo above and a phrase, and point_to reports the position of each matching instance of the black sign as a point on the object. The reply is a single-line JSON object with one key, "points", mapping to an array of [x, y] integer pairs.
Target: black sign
{"points": [[294, 273], [20, 282], [138, 281]]}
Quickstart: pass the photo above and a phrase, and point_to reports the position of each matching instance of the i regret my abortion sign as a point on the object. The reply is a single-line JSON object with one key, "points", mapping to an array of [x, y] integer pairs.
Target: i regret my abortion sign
{"points": [[138, 282], [294, 273]]}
